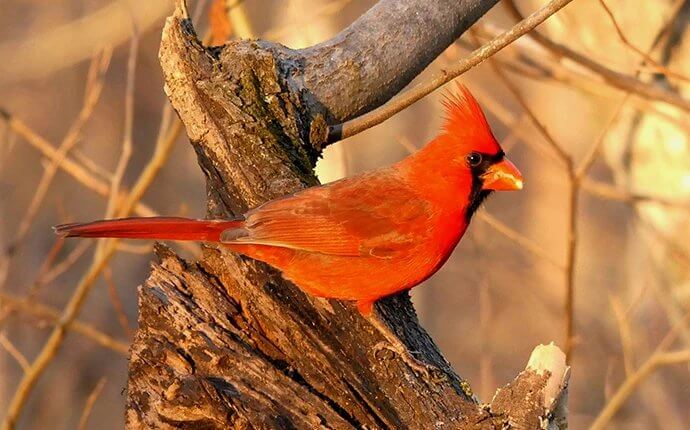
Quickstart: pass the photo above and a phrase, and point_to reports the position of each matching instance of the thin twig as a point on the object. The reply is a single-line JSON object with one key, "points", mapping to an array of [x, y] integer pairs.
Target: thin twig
{"points": [[678, 328], [51, 347], [14, 352], [135, 249], [574, 78], [656, 66], [513, 122], [612, 192], [494, 105], [558, 150], [593, 151], [403, 101], [90, 401], [160, 155], [126, 152], [8, 140], [4, 269], [50, 258], [625, 333], [567, 162], [73, 307], [86, 178], [629, 84], [129, 248], [60, 268], [676, 312], [46, 266], [117, 303], [94, 86], [82, 175], [518, 238], [486, 374], [656, 360], [93, 167], [574, 175], [39, 310], [676, 249], [571, 263]]}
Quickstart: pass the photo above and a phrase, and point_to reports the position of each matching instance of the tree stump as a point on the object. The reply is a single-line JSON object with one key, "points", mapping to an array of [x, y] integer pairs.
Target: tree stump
{"points": [[226, 342]]}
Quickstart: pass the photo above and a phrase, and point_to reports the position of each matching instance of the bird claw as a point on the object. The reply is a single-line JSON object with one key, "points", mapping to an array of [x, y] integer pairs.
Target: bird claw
{"points": [[419, 367], [395, 345]]}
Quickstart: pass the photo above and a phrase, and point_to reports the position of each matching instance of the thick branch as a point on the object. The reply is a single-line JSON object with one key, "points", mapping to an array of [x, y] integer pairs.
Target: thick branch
{"points": [[249, 135], [200, 360], [357, 125], [226, 341], [380, 53]]}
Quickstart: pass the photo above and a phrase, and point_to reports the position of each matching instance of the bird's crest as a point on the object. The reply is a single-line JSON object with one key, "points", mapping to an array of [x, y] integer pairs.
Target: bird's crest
{"points": [[465, 121]]}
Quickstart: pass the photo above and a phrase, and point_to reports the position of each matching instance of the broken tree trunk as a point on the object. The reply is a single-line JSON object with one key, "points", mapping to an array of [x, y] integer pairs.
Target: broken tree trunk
{"points": [[226, 341]]}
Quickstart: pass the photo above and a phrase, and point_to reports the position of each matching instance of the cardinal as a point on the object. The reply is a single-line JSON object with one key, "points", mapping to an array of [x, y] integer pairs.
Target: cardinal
{"points": [[364, 237]]}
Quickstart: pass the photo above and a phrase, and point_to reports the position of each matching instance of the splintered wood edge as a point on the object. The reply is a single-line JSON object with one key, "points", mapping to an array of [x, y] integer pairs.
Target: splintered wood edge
{"points": [[537, 397], [549, 358], [544, 380], [181, 9]]}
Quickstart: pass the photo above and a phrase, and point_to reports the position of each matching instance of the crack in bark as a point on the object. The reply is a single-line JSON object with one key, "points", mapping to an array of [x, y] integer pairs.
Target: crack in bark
{"points": [[227, 341]]}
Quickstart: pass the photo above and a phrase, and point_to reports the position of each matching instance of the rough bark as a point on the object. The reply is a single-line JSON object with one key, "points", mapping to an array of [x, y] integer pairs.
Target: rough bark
{"points": [[225, 341], [381, 52]]}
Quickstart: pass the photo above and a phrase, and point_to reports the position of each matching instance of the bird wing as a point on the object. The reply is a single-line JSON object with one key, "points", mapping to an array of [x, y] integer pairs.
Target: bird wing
{"points": [[373, 215]]}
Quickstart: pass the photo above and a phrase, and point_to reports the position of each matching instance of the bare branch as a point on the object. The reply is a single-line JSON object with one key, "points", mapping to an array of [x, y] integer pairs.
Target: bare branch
{"points": [[116, 302], [368, 63], [90, 401], [657, 67], [73, 307], [56, 48], [377, 116], [518, 238], [82, 175], [92, 93], [255, 328], [613, 192], [128, 126], [654, 362], [618, 80], [39, 310], [14, 352]]}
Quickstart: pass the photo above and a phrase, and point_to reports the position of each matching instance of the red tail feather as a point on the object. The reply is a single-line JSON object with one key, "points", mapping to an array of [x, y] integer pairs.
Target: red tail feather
{"points": [[158, 228]]}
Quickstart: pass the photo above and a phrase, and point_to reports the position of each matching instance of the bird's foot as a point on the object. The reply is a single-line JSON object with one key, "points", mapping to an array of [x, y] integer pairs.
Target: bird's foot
{"points": [[395, 345], [419, 367]]}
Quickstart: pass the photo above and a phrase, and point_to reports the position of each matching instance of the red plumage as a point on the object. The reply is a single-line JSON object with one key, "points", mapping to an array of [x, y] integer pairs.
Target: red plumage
{"points": [[465, 120], [161, 228], [365, 237]]}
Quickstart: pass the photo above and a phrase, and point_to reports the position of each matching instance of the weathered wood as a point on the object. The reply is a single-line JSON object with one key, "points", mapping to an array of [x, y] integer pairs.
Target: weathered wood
{"points": [[377, 55], [227, 342]]}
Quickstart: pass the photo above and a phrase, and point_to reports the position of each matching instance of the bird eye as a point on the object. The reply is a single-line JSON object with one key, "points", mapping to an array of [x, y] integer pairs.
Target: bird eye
{"points": [[474, 159]]}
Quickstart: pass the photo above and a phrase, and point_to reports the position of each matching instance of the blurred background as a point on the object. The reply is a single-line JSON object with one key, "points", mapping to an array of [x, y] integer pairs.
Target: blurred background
{"points": [[599, 236]]}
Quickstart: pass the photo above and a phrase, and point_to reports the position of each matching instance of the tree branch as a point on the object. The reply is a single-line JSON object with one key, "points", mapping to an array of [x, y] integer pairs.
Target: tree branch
{"points": [[226, 341], [376, 117], [381, 52], [629, 84]]}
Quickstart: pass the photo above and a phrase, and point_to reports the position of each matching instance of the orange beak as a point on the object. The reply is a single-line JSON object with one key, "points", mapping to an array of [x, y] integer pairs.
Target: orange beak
{"points": [[502, 176]]}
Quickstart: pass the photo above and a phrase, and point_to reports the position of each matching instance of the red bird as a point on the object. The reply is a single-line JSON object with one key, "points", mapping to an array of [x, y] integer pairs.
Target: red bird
{"points": [[364, 237]]}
